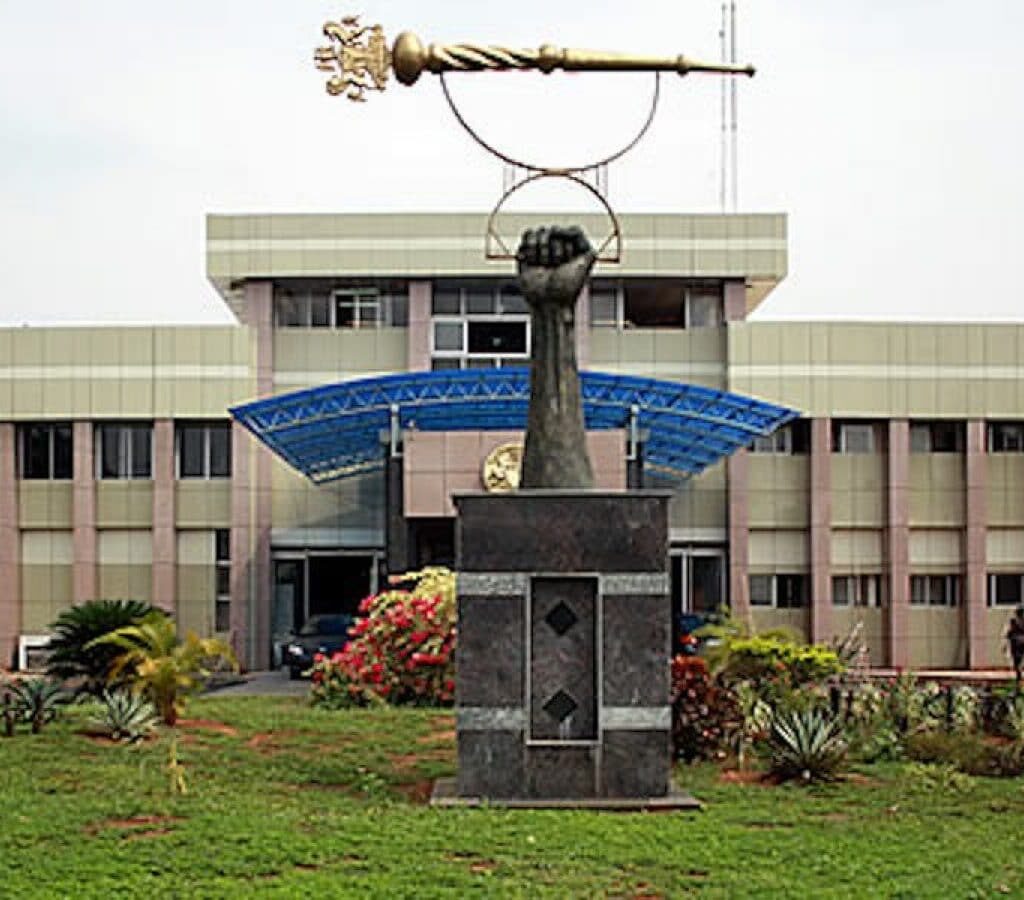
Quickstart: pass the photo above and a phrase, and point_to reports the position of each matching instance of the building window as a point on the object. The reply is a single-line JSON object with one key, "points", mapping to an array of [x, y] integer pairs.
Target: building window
{"points": [[936, 437], [46, 450], [204, 449], [639, 303], [793, 438], [124, 451], [857, 590], [222, 554], [359, 306], [1006, 437], [782, 591], [478, 326], [356, 308], [854, 437], [1005, 589], [935, 590]]}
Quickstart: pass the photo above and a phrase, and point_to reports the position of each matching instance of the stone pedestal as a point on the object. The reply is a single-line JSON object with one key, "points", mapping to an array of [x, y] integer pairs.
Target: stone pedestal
{"points": [[564, 637]]}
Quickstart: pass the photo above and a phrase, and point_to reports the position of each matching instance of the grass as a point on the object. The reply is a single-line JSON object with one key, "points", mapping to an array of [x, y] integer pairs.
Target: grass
{"points": [[287, 801]]}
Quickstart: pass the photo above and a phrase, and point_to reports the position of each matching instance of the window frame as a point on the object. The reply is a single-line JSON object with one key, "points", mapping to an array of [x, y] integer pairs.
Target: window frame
{"points": [[222, 565], [859, 598], [842, 432], [952, 590], [206, 429], [51, 429], [991, 583], [774, 594], [502, 302], [126, 450], [999, 433]]}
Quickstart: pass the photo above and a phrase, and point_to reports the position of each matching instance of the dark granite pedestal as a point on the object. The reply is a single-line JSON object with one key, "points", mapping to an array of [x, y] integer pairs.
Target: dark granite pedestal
{"points": [[564, 635]]}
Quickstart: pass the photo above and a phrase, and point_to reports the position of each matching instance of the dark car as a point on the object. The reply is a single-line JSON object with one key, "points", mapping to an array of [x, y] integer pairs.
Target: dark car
{"points": [[321, 634]]}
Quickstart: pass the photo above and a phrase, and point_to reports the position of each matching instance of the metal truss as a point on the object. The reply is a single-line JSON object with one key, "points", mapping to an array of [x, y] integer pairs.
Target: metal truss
{"points": [[340, 430]]}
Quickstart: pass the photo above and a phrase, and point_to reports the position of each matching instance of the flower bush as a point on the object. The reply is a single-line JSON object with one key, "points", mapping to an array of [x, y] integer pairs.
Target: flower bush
{"points": [[401, 649], [705, 715]]}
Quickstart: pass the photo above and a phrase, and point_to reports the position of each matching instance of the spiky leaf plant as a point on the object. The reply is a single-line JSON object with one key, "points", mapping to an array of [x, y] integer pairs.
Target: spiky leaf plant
{"points": [[124, 716], [38, 701], [73, 653], [806, 744], [162, 666]]}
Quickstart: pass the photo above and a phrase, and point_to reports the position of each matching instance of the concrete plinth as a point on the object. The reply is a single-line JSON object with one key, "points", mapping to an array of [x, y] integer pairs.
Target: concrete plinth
{"points": [[564, 637]]}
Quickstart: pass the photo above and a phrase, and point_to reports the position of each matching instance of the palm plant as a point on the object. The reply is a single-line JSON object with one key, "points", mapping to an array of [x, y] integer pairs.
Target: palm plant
{"points": [[806, 744], [74, 655], [37, 701], [161, 665], [125, 716]]}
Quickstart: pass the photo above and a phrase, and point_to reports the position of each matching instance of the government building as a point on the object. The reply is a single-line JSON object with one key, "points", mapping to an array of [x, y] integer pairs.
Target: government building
{"points": [[893, 498]]}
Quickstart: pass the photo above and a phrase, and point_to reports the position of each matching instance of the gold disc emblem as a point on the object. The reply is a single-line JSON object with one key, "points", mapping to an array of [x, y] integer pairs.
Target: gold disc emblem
{"points": [[502, 468]]}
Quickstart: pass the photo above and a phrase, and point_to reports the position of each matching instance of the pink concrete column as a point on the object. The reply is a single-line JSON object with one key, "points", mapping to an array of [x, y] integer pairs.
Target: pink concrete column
{"points": [[241, 448], [737, 469], [252, 499], [821, 529], [583, 328], [420, 300], [898, 542], [10, 548], [165, 551], [975, 587], [83, 514], [735, 301]]}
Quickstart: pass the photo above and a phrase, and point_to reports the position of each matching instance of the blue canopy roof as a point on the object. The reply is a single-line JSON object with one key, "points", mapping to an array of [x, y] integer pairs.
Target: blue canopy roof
{"points": [[335, 431]]}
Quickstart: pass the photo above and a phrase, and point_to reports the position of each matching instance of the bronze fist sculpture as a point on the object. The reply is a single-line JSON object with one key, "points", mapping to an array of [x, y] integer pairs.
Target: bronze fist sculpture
{"points": [[553, 265]]}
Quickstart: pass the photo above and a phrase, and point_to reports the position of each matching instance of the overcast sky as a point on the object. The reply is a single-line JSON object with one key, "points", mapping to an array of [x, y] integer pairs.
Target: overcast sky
{"points": [[890, 131]]}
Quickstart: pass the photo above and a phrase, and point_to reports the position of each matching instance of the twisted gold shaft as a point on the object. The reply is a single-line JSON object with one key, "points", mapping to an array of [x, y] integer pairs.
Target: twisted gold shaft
{"points": [[359, 59]]}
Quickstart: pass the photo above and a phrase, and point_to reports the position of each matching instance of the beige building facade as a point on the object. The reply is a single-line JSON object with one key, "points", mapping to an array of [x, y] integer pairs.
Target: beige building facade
{"points": [[894, 501]]}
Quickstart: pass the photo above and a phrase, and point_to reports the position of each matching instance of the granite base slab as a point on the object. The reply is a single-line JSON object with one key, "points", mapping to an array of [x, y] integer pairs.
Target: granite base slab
{"points": [[445, 796]]}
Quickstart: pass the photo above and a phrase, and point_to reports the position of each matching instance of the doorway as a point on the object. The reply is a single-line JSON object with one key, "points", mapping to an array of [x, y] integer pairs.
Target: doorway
{"points": [[317, 582], [697, 580]]}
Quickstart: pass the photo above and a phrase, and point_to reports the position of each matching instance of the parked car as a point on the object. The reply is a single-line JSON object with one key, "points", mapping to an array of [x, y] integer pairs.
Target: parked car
{"points": [[685, 641], [321, 634]]}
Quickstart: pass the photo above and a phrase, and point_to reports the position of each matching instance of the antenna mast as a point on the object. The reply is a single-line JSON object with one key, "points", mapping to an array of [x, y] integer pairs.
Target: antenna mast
{"points": [[728, 150]]}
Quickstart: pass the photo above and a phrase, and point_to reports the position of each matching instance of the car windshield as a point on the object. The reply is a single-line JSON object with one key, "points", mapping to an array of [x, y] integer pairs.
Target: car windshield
{"points": [[326, 625]]}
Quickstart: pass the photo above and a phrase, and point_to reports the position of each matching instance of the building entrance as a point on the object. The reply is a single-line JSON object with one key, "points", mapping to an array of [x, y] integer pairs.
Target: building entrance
{"points": [[310, 583], [697, 579]]}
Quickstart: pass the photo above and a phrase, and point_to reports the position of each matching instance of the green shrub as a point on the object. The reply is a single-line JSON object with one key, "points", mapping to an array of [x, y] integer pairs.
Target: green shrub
{"points": [[37, 701], [124, 716], [74, 655], [761, 657], [935, 777], [806, 744], [968, 751]]}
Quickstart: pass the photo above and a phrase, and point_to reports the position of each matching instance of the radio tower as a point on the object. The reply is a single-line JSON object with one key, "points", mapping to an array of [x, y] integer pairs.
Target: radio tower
{"points": [[728, 156]]}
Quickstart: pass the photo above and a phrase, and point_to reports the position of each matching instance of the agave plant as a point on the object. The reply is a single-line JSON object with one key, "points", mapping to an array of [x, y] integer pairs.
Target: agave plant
{"points": [[74, 655], [125, 716], [160, 665], [806, 744], [37, 701]]}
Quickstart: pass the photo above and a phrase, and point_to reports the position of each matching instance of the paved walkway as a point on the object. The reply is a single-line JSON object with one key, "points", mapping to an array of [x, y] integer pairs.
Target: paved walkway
{"points": [[267, 684]]}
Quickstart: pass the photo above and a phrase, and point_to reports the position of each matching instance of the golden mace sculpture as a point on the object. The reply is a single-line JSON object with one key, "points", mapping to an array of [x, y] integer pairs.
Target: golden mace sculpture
{"points": [[359, 60]]}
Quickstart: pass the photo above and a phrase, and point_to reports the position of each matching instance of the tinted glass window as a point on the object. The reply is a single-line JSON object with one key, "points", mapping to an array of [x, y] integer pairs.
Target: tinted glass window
{"points": [[62, 451], [497, 337], [37, 452], [111, 464], [191, 451], [141, 438], [220, 451]]}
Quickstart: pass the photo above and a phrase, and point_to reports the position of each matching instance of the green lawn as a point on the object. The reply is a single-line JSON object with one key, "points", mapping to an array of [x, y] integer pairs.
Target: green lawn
{"points": [[298, 802]]}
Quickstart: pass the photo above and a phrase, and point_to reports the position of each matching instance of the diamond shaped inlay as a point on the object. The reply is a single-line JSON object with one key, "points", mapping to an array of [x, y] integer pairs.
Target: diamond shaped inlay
{"points": [[561, 619], [560, 706]]}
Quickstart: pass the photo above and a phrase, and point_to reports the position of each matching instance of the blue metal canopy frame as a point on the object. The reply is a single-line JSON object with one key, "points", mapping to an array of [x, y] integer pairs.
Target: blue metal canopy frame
{"points": [[335, 431]]}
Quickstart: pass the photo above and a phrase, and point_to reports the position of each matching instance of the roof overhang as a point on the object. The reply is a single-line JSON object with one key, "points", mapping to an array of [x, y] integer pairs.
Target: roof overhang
{"points": [[340, 430]]}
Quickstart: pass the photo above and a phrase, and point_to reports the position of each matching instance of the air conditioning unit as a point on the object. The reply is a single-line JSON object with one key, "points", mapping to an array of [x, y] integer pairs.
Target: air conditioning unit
{"points": [[33, 652]]}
